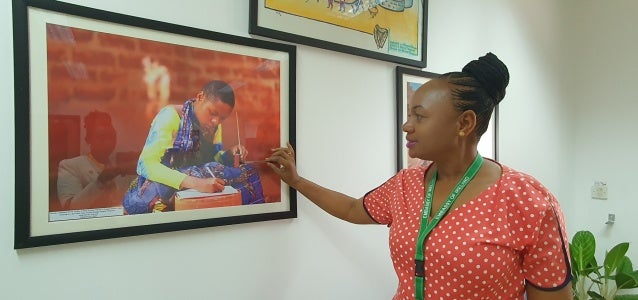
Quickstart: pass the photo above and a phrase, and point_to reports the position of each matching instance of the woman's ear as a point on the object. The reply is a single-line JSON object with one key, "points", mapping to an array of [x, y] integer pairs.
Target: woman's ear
{"points": [[466, 123], [200, 97]]}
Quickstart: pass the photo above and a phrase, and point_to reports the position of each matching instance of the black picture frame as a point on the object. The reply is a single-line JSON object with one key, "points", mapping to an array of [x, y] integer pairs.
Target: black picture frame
{"points": [[48, 39], [407, 80], [373, 29]]}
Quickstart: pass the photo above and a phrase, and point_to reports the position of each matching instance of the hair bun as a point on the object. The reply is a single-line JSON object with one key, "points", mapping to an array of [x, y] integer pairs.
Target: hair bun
{"points": [[492, 73]]}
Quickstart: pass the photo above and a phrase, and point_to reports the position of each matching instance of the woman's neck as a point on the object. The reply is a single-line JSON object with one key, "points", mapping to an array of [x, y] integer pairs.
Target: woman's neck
{"points": [[453, 167]]}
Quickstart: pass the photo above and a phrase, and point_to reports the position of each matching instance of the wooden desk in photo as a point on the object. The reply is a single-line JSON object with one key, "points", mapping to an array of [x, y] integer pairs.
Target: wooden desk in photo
{"points": [[190, 199]]}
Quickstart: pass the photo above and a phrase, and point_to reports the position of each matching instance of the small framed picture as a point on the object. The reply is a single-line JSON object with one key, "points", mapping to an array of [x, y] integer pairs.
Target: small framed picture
{"points": [[407, 82]]}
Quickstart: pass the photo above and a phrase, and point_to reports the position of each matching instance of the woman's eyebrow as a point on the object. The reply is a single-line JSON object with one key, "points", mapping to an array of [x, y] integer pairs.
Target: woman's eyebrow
{"points": [[415, 107]]}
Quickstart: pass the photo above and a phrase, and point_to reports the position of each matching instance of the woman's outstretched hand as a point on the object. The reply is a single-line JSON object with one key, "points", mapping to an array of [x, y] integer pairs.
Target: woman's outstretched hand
{"points": [[282, 162]]}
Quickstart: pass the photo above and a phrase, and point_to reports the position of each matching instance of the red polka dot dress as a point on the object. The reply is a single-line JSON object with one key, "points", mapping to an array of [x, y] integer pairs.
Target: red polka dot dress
{"points": [[510, 235]]}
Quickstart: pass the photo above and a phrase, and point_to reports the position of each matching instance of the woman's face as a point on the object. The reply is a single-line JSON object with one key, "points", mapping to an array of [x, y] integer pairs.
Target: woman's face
{"points": [[432, 124], [210, 112]]}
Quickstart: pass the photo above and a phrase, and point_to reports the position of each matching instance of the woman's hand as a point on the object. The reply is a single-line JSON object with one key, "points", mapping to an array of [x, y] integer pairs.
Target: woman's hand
{"points": [[243, 152], [205, 185], [282, 162]]}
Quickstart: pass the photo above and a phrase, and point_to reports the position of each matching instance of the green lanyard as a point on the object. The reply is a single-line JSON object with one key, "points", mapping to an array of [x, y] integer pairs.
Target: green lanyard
{"points": [[426, 226]]}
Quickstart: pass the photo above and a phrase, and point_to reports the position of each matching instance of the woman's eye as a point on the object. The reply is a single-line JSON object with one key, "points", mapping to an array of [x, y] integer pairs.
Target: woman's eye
{"points": [[416, 117]]}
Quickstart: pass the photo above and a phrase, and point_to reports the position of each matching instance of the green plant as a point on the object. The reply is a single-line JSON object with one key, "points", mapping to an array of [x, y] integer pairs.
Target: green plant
{"points": [[593, 281]]}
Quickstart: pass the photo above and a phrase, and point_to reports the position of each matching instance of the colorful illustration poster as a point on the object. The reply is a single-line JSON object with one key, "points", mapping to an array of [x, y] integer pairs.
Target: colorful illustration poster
{"points": [[391, 30]]}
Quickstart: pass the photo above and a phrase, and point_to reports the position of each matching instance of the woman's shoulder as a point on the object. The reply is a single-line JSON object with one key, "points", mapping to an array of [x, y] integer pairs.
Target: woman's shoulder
{"points": [[418, 171], [410, 176], [515, 177], [524, 189]]}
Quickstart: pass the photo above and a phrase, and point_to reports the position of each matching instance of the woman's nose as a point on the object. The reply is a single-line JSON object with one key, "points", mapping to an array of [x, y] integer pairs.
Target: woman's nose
{"points": [[407, 127]]}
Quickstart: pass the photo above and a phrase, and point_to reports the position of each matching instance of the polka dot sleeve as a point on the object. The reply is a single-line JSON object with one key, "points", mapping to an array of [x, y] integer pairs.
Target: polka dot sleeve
{"points": [[546, 263], [378, 203]]}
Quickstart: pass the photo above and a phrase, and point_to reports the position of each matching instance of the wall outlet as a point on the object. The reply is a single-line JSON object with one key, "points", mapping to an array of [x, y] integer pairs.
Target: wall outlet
{"points": [[599, 190]]}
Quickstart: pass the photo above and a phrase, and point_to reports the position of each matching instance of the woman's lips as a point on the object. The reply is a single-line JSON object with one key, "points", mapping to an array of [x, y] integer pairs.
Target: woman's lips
{"points": [[410, 144]]}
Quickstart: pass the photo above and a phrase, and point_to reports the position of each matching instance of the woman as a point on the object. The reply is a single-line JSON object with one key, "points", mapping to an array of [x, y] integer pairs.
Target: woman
{"points": [[183, 150], [461, 227]]}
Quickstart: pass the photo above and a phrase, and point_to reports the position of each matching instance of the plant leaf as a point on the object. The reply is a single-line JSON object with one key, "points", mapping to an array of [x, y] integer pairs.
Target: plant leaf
{"points": [[595, 296], [625, 266], [627, 280], [626, 297], [582, 250], [614, 257]]}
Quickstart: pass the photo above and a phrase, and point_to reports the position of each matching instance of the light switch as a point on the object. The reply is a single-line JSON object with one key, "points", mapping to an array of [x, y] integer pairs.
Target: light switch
{"points": [[599, 190]]}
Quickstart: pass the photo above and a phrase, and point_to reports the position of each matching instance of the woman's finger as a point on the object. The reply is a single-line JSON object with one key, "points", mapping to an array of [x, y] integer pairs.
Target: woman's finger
{"points": [[282, 152], [291, 150], [278, 168], [276, 160], [274, 167]]}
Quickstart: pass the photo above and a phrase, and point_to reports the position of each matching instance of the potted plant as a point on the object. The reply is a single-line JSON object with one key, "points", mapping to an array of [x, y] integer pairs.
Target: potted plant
{"points": [[593, 281]]}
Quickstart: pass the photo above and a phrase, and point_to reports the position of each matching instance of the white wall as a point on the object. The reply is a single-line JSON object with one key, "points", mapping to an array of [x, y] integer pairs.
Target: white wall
{"points": [[522, 34], [601, 72], [533, 121], [315, 256]]}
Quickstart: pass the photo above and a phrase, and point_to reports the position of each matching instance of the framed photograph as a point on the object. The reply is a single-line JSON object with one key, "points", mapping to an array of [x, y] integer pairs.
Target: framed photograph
{"points": [[393, 31], [129, 126], [407, 82]]}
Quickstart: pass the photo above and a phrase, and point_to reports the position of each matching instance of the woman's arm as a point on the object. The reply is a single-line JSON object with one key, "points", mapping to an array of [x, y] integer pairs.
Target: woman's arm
{"points": [[337, 204], [282, 162], [546, 260], [564, 293]]}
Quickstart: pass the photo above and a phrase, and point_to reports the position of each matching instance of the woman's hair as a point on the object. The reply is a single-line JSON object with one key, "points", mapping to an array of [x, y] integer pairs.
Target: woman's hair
{"points": [[220, 90], [479, 87]]}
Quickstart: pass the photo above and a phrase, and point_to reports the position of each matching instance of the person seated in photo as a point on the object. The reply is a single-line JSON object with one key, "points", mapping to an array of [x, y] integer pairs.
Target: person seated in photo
{"points": [[94, 180], [184, 150]]}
